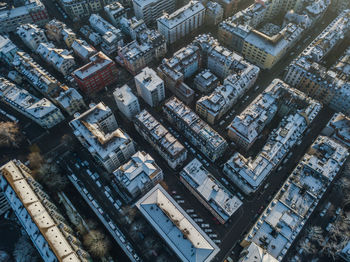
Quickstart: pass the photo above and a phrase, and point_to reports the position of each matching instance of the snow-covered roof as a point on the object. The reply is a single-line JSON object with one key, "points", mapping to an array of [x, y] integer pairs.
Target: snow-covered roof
{"points": [[124, 95], [83, 49], [254, 253], [97, 62], [339, 128], [210, 189], [68, 97], [164, 139], [287, 213], [281, 140], [149, 79], [137, 172], [88, 125], [176, 227], [181, 15], [192, 120]]}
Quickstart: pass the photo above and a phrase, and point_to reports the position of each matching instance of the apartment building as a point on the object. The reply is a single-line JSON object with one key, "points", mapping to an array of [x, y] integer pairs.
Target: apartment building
{"points": [[93, 37], [42, 111], [201, 135], [205, 81], [60, 59], [98, 132], [287, 213], [82, 49], [150, 10], [71, 101], [32, 12], [78, 9], [214, 13], [31, 35], [115, 12], [59, 32], [127, 102], [150, 87], [95, 75], [46, 227], [68, 36], [183, 21], [331, 86], [112, 37], [209, 191], [148, 47], [186, 239], [138, 175], [263, 43], [161, 139], [36, 75], [297, 112]]}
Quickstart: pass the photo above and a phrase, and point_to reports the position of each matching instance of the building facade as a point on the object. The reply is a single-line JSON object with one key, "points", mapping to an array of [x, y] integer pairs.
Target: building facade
{"points": [[31, 35], [71, 101]]}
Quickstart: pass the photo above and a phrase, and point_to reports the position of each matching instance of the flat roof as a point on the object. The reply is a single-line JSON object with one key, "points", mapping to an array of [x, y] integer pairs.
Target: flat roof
{"points": [[176, 227]]}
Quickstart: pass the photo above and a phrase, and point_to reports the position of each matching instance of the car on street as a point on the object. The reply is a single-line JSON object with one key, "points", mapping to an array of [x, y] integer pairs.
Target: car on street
{"points": [[208, 230], [325, 209], [98, 183], [180, 201], [100, 210], [205, 225]]}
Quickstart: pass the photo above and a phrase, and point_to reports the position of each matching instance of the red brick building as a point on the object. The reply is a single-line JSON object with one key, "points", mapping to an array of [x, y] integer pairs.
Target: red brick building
{"points": [[95, 75]]}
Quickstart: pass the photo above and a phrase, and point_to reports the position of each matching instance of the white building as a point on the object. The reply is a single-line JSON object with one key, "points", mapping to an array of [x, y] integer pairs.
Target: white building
{"points": [[82, 49], [8, 49], [183, 21], [31, 35], [201, 135], [98, 131], [71, 101], [115, 12], [138, 175], [150, 10], [161, 139], [126, 101], [49, 231], [150, 86], [176, 227], [297, 111], [209, 191], [61, 59], [42, 111], [284, 218], [255, 253]]}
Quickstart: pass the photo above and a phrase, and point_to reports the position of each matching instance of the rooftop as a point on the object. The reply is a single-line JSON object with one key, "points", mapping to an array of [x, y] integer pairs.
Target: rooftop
{"points": [[339, 128], [97, 62], [124, 95], [210, 189], [67, 97], [83, 48], [149, 78], [182, 14], [176, 227], [159, 133]]}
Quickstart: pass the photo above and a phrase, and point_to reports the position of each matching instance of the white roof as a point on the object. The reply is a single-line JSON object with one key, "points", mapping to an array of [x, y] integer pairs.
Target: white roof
{"points": [[83, 48], [68, 97], [149, 79], [181, 15], [124, 95], [98, 62], [254, 253], [210, 189], [176, 227]]}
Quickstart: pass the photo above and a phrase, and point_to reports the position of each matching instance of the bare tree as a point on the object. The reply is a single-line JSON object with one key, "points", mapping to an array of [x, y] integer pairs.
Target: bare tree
{"points": [[315, 233], [97, 243], [307, 247], [49, 175], [68, 141], [24, 251], [35, 160], [10, 135]]}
